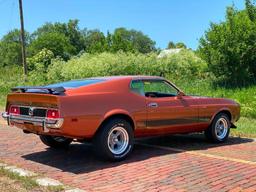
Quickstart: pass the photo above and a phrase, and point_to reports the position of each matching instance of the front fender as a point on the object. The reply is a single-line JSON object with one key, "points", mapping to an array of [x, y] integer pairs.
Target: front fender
{"points": [[223, 109]]}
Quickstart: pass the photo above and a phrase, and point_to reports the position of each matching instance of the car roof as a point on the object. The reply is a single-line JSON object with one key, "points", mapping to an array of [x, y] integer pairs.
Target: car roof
{"points": [[130, 77]]}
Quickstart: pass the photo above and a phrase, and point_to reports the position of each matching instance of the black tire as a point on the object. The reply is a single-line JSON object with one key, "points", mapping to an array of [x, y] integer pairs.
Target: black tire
{"points": [[55, 142], [102, 140], [211, 133]]}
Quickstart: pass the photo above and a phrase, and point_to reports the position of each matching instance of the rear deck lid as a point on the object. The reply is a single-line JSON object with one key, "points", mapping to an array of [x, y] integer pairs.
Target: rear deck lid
{"points": [[32, 99]]}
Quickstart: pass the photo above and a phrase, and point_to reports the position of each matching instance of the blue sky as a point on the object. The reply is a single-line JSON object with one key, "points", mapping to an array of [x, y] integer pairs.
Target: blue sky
{"points": [[161, 20]]}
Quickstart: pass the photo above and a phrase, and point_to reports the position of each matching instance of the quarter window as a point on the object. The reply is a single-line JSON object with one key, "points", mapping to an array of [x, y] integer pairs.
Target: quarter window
{"points": [[137, 87]]}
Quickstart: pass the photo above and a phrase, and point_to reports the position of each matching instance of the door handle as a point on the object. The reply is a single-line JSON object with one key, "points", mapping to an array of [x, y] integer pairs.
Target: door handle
{"points": [[153, 105]]}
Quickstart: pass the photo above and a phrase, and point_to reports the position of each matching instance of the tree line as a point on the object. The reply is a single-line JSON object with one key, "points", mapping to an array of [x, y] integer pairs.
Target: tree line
{"points": [[228, 47], [67, 39]]}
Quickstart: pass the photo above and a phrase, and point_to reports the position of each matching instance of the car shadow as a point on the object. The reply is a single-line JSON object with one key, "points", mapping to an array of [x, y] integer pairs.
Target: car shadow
{"points": [[194, 141], [79, 158]]}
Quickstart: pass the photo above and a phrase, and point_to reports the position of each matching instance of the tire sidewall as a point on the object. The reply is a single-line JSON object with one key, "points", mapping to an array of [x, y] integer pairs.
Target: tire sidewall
{"points": [[104, 139], [213, 133]]}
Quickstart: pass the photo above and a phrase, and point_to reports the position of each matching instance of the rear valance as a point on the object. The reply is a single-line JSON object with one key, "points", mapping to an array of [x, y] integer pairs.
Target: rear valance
{"points": [[50, 90]]}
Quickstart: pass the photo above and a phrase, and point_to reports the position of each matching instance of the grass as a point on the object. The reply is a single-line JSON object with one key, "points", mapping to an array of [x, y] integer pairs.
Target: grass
{"points": [[9, 185], [245, 128], [12, 76], [26, 182], [23, 183], [55, 188]]}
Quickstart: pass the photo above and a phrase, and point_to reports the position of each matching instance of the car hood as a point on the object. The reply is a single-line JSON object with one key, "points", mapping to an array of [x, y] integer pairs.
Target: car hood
{"points": [[215, 100]]}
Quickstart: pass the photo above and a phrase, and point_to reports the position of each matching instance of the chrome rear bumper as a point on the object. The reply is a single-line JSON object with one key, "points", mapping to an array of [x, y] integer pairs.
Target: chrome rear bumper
{"points": [[46, 123]]}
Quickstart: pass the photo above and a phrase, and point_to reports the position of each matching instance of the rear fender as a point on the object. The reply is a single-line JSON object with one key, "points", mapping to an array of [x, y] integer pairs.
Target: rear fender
{"points": [[116, 112]]}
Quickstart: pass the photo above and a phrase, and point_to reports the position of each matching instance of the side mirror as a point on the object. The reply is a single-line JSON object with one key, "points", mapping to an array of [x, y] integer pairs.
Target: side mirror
{"points": [[180, 94]]}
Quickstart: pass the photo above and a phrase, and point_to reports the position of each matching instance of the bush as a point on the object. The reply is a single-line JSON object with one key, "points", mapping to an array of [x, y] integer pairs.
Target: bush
{"points": [[43, 57], [9, 77], [184, 64]]}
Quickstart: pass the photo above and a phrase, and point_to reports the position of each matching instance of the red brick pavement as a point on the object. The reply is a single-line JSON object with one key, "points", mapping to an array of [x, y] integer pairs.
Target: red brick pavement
{"points": [[238, 148], [147, 169]]}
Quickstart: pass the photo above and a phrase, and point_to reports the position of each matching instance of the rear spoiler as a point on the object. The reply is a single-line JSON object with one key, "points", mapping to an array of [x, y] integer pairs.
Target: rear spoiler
{"points": [[51, 90]]}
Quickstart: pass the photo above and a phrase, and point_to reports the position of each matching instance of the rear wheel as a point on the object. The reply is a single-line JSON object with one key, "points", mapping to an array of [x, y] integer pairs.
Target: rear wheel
{"points": [[55, 141], [114, 141], [219, 129]]}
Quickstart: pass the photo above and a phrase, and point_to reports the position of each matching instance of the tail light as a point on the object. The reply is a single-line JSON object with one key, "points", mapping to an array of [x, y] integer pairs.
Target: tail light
{"points": [[53, 114], [14, 110]]}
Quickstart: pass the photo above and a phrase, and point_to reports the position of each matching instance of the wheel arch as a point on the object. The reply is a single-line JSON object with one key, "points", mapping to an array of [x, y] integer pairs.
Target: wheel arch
{"points": [[225, 111], [116, 114]]}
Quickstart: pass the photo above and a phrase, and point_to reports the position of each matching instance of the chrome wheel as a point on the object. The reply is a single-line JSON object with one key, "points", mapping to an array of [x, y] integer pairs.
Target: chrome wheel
{"points": [[221, 128], [118, 140]]}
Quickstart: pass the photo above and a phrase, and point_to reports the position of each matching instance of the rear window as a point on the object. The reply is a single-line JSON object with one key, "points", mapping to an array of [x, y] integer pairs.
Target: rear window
{"points": [[76, 83]]}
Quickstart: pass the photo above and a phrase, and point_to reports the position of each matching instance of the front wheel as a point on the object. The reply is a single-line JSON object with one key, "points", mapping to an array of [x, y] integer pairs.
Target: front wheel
{"points": [[218, 131], [114, 141], [55, 141]]}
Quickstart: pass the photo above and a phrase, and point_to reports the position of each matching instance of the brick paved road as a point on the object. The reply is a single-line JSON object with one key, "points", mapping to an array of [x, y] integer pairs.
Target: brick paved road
{"points": [[188, 164]]}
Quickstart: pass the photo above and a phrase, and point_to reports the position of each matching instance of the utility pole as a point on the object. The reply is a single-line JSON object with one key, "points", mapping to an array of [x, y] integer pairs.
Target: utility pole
{"points": [[22, 35]]}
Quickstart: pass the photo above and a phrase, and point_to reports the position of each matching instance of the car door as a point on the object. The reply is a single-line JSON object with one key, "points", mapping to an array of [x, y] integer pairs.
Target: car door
{"points": [[167, 111]]}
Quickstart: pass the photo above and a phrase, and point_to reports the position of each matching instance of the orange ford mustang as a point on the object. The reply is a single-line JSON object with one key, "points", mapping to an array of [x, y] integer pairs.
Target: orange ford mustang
{"points": [[112, 111]]}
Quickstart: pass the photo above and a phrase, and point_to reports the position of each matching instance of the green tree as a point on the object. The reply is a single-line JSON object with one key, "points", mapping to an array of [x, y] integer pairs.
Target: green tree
{"points": [[180, 45], [108, 41], [10, 48], [142, 42], [230, 46], [121, 41], [95, 41], [66, 39], [56, 42], [131, 41], [73, 35], [251, 10], [171, 45]]}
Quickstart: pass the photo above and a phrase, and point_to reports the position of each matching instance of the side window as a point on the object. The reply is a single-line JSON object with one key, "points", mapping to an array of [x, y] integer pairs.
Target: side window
{"points": [[137, 87], [159, 88]]}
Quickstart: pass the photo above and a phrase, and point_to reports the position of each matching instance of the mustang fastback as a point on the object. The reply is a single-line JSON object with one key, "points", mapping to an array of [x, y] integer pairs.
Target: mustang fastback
{"points": [[111, 112]]}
